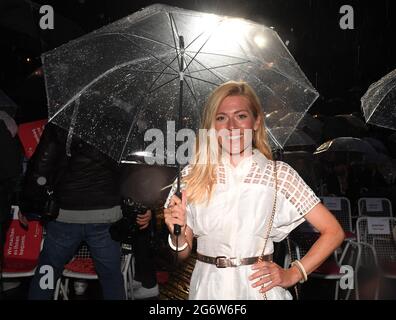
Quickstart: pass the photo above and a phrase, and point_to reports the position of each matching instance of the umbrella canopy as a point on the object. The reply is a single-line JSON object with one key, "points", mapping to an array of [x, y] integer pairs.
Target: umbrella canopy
{"points": [[305, 164], [310, 125], [378, 145], [345, 125], [346, 149], [379, 102], [296, 139], [113, 85], [346, 144]]}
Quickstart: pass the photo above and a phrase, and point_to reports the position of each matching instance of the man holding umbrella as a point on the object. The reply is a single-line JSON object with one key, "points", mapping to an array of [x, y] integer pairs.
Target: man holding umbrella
{"points": [[84, 203]]}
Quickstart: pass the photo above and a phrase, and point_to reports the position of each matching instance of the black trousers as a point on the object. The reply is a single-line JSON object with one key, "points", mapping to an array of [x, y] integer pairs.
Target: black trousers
{"points": [[145, 268]]}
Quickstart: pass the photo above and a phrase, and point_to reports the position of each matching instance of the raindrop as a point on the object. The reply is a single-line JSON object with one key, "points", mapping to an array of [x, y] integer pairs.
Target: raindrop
{"points": [[41, 181]]}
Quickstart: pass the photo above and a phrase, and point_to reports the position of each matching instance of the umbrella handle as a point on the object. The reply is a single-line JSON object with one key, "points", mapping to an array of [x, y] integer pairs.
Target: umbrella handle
{"points": [[176, 227]]}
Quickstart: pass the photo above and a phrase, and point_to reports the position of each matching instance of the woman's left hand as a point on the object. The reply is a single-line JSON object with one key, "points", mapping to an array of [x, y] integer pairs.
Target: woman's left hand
{"points": [[143, 220], [272, 275]]}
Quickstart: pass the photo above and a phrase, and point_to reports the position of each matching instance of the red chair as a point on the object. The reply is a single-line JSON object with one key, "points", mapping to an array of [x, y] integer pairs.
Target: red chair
{"points": [[82, 267]]}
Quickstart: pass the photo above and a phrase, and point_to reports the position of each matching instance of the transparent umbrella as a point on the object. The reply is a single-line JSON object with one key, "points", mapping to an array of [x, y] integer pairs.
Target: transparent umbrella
{"points": [[160, 64], [379, 102]]}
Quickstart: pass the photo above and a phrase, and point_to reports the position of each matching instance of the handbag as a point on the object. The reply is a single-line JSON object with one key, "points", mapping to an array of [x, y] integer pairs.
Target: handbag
{"points": [[51, 207], [269, 228]]}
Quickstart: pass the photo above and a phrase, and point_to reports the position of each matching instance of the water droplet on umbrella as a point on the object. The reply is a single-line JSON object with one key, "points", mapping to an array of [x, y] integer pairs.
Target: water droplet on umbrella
{"points": [[41, 181]]}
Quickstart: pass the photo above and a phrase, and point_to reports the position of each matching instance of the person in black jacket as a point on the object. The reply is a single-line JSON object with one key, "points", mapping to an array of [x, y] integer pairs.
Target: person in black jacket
{"points": [[85, 187]]}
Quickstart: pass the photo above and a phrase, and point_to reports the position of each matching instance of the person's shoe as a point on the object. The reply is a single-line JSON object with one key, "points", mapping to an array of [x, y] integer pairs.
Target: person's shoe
{"points": [[146, 293]]}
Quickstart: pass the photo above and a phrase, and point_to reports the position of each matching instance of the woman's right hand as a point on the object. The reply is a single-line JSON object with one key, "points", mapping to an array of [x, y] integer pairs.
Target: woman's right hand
{"points": [[176, 213]]}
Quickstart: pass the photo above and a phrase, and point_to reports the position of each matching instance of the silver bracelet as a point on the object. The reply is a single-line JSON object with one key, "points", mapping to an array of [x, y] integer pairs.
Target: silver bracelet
{"points": [[173, 247]]}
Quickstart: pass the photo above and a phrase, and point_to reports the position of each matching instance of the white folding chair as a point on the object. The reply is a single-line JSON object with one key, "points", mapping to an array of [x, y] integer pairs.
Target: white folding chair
{"points": [[375, 207], [332, 268], [82, 267], [377, 235]]}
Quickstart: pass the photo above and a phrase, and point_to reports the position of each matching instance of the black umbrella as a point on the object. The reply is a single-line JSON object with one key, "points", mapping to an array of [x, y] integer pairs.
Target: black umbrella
{"points": [[378, 145], [296, 139], [346, 149], [305, 164], [346, 144], [346, 125], [308, 124]]}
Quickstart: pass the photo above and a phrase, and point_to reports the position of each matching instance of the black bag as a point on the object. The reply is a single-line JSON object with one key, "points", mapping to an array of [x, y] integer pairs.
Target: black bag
{"points": [[47, 209], [51, 207]]}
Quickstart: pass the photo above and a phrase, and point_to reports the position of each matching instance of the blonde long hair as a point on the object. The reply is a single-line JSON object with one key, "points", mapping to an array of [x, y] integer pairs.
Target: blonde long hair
{"points": [[200, 180]]}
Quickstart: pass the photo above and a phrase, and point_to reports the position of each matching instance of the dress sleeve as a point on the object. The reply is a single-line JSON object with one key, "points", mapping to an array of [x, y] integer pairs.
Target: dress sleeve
{"points": [[295, 199], [190, 218]]}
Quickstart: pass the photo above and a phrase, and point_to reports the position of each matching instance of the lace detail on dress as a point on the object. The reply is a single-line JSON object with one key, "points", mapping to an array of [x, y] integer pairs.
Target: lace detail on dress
{"points": [[290, 184], [221, 174], [264, 176]]}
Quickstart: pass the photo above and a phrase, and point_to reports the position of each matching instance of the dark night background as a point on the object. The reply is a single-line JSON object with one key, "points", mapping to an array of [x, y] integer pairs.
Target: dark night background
{"points": [[341, 64]]}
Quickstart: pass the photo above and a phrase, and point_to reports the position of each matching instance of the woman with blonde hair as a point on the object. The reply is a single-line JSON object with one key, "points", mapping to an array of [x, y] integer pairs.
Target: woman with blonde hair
{"points": [[237, 201]]}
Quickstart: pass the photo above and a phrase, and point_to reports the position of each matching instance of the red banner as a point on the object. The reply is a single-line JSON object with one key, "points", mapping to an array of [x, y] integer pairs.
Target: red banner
{"points": [[22, 246], [29, 134]]}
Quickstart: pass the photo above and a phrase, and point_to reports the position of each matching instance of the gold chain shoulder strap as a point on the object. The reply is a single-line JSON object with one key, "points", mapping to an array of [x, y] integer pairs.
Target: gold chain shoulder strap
{"points": [[270, 227], [271, 221]]}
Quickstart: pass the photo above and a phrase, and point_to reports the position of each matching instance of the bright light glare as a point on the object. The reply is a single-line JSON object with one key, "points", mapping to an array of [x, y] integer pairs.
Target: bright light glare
{"points": [[234, 29], [260, 41], [225, 34]]}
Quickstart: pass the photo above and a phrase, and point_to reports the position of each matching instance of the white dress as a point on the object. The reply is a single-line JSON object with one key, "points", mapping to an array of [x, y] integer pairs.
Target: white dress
{"points": [[235, 221]]}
